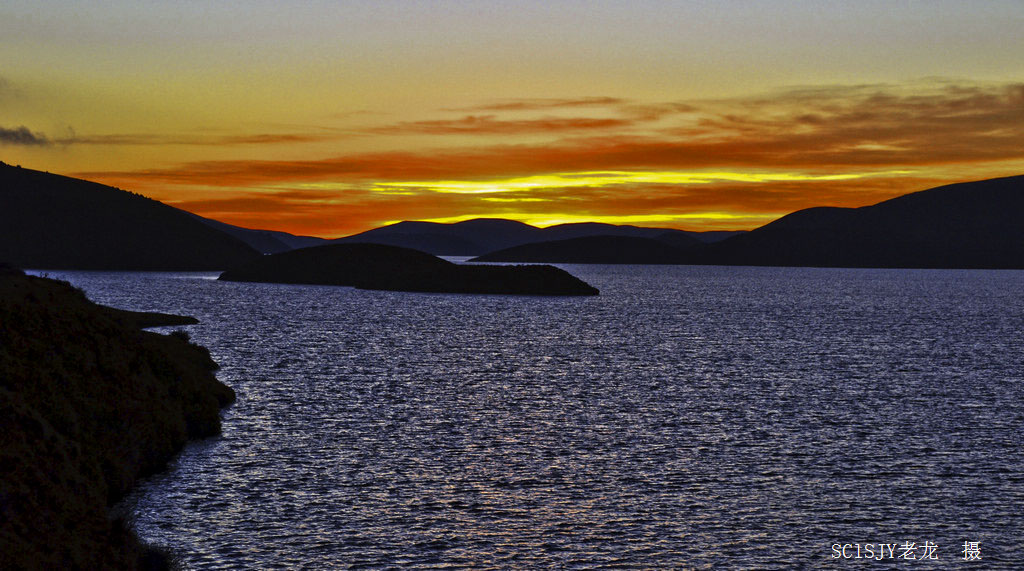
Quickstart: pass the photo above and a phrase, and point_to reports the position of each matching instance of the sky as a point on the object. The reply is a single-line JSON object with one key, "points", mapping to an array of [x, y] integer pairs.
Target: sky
{"points": [[330, 118]]}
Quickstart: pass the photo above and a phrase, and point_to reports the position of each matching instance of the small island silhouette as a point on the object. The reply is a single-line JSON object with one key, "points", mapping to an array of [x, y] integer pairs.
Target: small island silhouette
{"points": [[381, 267]]}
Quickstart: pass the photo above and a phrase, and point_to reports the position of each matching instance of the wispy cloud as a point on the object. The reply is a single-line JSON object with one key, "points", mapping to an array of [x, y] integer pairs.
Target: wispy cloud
{"points": [[545, 104], [148, 139], [491, 125], [22, 136], [830, 130], [512, 117]]}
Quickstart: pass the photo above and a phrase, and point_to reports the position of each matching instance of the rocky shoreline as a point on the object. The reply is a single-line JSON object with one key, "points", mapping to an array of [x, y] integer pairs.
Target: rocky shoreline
{"points": [[89, 403]]}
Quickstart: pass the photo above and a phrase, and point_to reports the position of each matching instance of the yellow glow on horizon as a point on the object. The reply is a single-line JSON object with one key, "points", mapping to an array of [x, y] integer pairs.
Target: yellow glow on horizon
{"points": [[697, 219], [599, 179]]}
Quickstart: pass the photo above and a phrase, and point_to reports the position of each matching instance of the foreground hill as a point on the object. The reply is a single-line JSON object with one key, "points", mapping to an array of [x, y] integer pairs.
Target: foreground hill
{"points": [[382, 267], [55, 222], [594, 250], [484, 235], [89, 403], [966, 225]]}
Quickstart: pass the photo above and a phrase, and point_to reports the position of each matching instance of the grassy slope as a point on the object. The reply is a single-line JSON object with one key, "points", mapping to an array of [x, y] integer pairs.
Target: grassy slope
{"points": [[88, 404]]}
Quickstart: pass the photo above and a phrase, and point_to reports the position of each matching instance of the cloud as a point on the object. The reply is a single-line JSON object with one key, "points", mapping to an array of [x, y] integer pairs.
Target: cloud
{"points": [[147, 139], [655, 111], [621, 113], [545, 103], [825, 130], [328, 212], [22, 136], [491, 125]]}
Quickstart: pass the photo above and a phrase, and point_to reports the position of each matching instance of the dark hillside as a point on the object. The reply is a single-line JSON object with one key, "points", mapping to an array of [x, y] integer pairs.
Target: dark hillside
{"points": [[967, 225], [595, 250], [263, 241], [88, 404], [484, 235], [55, 222], [683, 241], [438, 244], [470, 237]]}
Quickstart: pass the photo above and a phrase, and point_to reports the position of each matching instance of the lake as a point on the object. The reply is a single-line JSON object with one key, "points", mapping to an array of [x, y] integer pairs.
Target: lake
{"points": [[694, 417]]}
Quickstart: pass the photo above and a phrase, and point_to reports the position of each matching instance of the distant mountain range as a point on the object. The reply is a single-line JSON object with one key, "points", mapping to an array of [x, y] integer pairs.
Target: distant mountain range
{"points": [[598, 250], [49, 221], [263, 241], [484, 235], [966, 225]]}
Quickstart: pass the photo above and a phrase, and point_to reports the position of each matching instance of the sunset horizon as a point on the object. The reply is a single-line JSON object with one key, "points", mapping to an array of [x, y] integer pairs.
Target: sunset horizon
{"points": [[329, 120], [528, 284]]}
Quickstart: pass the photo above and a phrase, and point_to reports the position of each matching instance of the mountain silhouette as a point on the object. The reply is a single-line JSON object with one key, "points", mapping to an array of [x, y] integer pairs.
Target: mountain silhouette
{"points": [[383, 267], [263, 241], [470, 237], [597, 250], [677, 237], [483, 235], [56, 222], [965, 225], [582, 229]]}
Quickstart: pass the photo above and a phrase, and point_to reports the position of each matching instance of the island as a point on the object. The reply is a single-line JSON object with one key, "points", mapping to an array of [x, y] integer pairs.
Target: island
{"points": [[392, 268], [89, 403]]}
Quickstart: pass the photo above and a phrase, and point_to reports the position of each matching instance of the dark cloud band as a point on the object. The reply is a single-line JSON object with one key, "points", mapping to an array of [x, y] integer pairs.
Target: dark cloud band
{"points": [[22, 136]]}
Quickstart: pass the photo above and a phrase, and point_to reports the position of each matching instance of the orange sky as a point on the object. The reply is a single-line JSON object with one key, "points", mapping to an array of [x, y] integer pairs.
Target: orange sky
{"points": [[336, 117]]}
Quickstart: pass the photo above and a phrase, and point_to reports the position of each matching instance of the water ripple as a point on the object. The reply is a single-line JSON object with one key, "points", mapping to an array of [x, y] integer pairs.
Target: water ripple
{"points": [[687, 417]]}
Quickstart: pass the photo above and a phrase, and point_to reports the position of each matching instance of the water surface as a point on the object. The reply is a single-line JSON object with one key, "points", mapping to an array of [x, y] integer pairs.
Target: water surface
{"points": [[686, 417]]}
